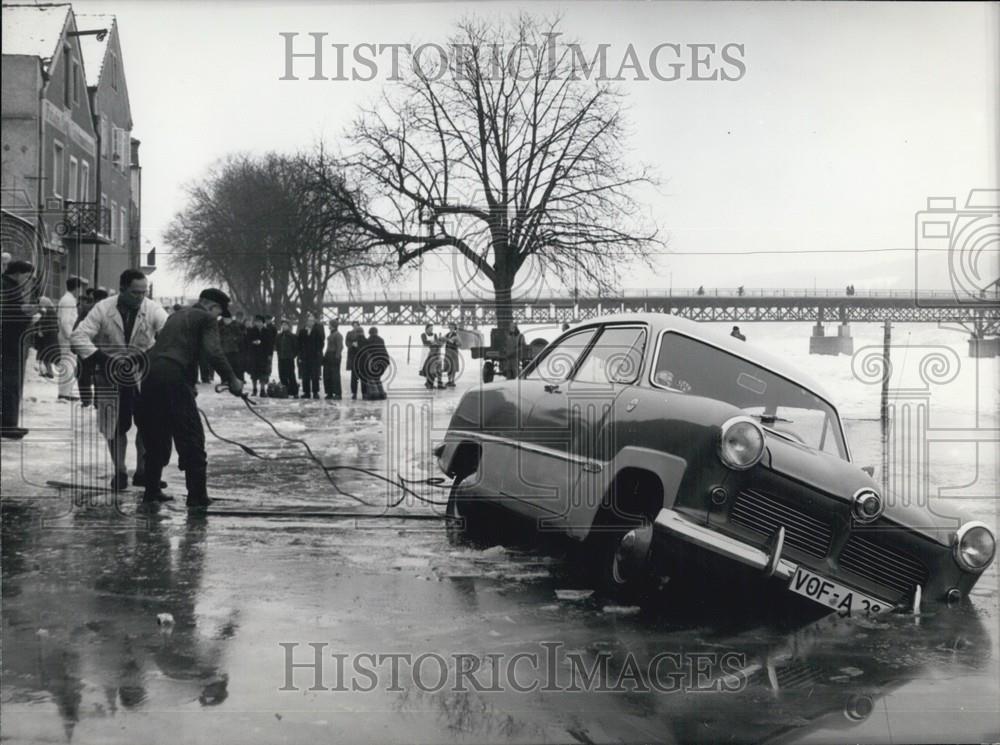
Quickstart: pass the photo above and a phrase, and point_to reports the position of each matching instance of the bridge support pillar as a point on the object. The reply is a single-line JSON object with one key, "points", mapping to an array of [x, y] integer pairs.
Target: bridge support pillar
{"points": [[842, 343], [981, 347]]}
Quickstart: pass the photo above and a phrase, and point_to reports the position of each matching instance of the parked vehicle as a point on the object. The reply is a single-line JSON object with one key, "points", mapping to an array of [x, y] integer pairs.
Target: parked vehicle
{"points": [[663, 447]]}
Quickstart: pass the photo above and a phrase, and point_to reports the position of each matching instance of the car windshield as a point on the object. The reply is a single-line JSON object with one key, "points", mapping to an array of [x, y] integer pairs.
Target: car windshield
{"points": [[785, 408]]}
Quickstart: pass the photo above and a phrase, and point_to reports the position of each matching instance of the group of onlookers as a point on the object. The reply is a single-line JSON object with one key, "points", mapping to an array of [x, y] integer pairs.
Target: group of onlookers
{"points": [[305, 356]]}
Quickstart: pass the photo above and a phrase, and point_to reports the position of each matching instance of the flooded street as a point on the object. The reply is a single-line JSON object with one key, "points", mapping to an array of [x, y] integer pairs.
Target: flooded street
{"points": [[275, 628]]}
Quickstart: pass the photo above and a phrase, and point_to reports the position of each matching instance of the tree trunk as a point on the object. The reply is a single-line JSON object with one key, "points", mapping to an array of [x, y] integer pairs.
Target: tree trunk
{"points": [[502, 301]]}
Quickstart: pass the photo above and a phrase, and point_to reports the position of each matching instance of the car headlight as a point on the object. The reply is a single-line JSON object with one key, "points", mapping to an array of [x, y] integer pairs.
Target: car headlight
{"points": [[742, 443], [974, 546], [867, 505]]}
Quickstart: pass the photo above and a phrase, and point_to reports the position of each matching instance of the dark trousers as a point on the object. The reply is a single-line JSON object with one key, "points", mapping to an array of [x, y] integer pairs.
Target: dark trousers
{"points": [[205, 369], [331, 376], [309, 370], [235, 360], [12, 383], [354, 377], [286, 374], [168, 416], [85, 381]]}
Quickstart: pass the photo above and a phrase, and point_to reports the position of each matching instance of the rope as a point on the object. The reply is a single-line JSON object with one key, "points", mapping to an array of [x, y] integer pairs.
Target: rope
{"points": [[400, 483]]}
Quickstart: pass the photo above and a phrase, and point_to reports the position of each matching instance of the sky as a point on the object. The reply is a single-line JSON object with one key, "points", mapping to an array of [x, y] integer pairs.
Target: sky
{"points": [[847, 118]]}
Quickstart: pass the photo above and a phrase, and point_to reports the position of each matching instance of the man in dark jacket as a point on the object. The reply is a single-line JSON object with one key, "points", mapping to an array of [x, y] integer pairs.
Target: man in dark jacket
{"points": [[16, 312], [260, 360], [331, 363], [167, 410], [372, 361], [231, 338], [287, 346], [355, 339], [311, 341]]}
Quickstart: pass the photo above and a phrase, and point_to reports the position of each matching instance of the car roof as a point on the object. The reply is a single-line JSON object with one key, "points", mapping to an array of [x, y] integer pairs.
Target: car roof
{"points": [[666, 322]]}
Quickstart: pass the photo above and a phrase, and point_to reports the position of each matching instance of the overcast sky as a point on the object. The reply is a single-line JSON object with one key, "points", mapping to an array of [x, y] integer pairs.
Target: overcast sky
{"points": [[847, 118]]}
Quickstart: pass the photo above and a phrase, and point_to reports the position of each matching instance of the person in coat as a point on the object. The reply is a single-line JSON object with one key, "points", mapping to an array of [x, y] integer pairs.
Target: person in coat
{"points": [[260, 360], [311, 343], [115, 337], [17, 311], [331, 363], [67, 313], [168, 413], [372, 361], [431, 368], [269, 336], [231, 335], [451, 358], [246, 356], [85, 382], [47, 338], [287, 346], [354, 341]]}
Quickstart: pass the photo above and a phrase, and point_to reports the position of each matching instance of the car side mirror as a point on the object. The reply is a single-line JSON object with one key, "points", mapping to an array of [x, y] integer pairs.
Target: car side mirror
{"points": [[870, 470]]}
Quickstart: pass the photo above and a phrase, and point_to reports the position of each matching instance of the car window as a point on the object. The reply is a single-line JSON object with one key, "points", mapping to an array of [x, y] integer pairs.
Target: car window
{"points": [[558, 360], [615, 358], [786, 408]]}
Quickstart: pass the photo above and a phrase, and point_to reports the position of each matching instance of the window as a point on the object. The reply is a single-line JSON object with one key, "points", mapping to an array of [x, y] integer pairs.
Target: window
{"points": [[76, 82], [114, 71], [616, 357], [73, 179], [558, 360], [105, 136], [67, 65], [83, 194], [123, 226], [57, 169], [126, 150], [114, 220], [116, 146]]}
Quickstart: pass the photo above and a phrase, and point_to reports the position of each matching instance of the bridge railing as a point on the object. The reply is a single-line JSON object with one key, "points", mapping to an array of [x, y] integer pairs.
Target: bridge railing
{"points": [[449, 296]]}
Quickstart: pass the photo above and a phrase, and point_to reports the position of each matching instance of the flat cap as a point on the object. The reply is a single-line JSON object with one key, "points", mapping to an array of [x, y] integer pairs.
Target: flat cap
{"points": [[214, 295]]}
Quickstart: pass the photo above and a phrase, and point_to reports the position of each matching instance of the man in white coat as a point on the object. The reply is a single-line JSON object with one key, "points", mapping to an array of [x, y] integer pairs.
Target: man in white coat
{"points": [[117, 333], [66, 315]]}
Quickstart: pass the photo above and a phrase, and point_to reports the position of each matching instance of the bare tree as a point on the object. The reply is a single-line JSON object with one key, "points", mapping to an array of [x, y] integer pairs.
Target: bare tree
{"points": [[507, 158], [265, 228]]}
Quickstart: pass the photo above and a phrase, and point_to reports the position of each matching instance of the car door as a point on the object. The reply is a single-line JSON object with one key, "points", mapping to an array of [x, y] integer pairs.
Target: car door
{"points": [[572, 415], [525, 480]]}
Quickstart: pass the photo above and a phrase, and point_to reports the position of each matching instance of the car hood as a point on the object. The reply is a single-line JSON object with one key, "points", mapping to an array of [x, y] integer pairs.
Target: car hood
{"points": [[840, 480]]}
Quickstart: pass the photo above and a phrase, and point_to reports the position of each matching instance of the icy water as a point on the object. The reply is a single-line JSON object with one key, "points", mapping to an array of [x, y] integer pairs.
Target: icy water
{"points": [[84, 580]]}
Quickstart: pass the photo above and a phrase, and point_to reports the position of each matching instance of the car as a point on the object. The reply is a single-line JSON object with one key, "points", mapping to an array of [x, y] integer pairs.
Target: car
{"points": [[659, 446]]}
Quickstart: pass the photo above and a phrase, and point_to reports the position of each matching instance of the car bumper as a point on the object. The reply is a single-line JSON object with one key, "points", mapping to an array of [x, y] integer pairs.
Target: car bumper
{"points": [[671, 523]]}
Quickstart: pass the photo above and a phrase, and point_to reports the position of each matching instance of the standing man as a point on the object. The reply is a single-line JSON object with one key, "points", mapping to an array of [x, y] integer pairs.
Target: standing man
{"points": [[287, 346], [66, 312], [260, 368], [85, 379], [451, 358], [16, 317], [355, 338], [331, 363], [231, 337], [431, 369], [167, 409], [372, 361], [114, 338], [270, 336], [311, 340]]}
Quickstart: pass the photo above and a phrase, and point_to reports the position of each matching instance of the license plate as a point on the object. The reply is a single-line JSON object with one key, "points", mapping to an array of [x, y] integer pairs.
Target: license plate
{"points": [[834, 595]]}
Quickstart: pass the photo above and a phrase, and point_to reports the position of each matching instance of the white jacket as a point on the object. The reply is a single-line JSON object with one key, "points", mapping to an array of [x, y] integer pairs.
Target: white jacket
{"points": [[66, 314], [103, 329]]}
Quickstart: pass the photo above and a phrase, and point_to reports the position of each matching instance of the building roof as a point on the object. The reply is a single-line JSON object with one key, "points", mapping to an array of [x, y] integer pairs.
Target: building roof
{"points": [[94, 50], [33, 30]]}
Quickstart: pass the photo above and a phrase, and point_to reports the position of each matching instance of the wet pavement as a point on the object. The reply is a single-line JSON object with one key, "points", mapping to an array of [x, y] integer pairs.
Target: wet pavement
{"points": [[86, 578]]}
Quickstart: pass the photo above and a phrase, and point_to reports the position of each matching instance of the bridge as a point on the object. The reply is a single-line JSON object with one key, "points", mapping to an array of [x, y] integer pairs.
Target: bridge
{"points": [[979, 315]]}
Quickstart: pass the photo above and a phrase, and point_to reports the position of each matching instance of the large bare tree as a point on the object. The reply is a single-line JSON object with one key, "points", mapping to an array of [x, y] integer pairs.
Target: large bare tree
{"points": [[265, 228], [511, 159]]}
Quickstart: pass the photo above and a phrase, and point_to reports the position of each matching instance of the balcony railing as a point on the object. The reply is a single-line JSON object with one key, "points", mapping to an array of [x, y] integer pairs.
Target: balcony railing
{"points": [[85, 222]]}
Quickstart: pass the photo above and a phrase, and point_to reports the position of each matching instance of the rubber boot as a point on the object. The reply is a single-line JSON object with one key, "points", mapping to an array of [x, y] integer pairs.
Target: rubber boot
{"points": [[152, 490], [197, 489]]}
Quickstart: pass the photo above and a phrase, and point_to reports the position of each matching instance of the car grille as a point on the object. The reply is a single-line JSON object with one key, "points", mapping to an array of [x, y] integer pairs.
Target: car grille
{"points": [[883, 566], [798, 675], [763, 514]]}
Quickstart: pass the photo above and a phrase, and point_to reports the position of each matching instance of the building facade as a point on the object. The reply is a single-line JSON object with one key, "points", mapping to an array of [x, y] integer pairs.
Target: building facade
{"points": [[67, 148]]}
